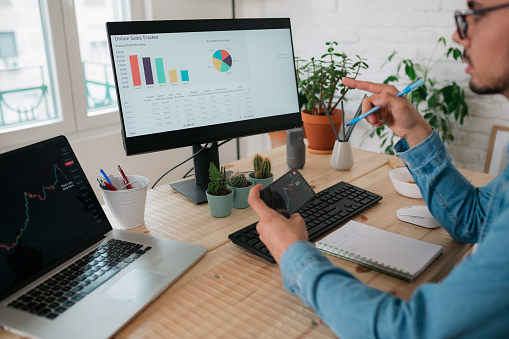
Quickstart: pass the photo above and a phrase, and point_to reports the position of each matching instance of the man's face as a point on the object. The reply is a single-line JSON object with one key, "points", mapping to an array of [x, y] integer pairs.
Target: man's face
{"points": [[487, 48]]}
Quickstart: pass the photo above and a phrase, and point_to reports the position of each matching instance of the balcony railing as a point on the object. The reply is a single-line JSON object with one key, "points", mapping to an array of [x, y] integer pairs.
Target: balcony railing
{"points": [[100, 94], [31, 103], [26, 104]]}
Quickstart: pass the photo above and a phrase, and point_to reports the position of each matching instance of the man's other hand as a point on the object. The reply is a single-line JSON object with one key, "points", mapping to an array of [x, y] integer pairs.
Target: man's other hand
{"points": [[276, 231]]}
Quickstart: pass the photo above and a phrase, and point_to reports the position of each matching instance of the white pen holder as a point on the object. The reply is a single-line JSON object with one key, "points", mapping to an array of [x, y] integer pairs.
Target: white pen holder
{"points": [[342, 157]]}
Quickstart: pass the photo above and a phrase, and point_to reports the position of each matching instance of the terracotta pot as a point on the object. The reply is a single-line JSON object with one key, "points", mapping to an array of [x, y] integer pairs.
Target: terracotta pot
{"points": [[319, 132]]}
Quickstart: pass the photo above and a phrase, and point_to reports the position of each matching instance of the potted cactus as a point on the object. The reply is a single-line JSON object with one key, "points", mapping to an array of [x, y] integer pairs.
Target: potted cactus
{"points": [[240, 185], [262, 171], [219, 197]]}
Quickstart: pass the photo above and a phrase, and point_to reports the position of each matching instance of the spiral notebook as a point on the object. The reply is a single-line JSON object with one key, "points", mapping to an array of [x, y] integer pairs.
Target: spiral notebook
{"points": [[390, 253]]}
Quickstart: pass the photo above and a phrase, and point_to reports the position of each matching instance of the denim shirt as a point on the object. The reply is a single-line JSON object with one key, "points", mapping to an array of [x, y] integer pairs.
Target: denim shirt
{"points": [[471, 302]]}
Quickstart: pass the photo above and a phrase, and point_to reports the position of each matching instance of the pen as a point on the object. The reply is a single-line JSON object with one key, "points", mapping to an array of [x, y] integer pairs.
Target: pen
{"points": [[110, 186], [106, 177], [101, 183], [406, 90], [124, 178], [330, 119], [343, 120], [359, 110]]}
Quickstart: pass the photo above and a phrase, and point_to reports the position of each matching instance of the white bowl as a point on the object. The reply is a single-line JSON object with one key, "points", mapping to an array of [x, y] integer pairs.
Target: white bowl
{"points": [[400, 178]]}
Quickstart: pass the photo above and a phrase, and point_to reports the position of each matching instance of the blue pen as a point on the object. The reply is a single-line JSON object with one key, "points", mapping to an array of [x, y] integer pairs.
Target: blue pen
{"points": [[107, 179], [406, 90]]}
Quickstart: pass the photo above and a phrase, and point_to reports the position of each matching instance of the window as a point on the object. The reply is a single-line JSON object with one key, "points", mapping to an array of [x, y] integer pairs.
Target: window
{"points": [[55, 69], [8, 45], [27, 94]]}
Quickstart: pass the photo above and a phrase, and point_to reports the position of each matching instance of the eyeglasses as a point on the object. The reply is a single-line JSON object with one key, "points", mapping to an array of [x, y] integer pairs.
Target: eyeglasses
{"points": [[461, 18]]}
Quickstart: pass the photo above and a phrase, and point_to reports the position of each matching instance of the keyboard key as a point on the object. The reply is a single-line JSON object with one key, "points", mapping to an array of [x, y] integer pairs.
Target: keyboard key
{"points": [[53, 305], [44, 312], [121, 265], [253, 241], [52, 316], [259, 246], [78, 297], [60, 309], [69, 303]]}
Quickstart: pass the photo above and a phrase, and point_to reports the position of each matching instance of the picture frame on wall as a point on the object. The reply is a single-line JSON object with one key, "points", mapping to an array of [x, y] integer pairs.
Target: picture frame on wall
{"points": [[496, 159]]}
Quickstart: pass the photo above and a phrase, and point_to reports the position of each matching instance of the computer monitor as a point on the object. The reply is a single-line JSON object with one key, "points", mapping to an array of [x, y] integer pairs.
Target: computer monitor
{"points": [[189, 82]]}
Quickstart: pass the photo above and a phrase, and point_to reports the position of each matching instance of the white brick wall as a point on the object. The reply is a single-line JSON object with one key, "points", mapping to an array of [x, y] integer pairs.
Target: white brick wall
{"points": [[373, 29]]}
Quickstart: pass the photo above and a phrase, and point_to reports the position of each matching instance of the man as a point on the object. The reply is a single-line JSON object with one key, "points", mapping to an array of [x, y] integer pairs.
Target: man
{"points": [[473, 301]]}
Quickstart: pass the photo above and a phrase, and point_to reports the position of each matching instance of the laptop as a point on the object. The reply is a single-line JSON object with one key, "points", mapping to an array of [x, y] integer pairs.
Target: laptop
{"points": [[65, 273]]}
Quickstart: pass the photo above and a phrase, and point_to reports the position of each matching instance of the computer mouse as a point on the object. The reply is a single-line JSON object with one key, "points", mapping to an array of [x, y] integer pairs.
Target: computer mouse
{"points": [[418, 215]]}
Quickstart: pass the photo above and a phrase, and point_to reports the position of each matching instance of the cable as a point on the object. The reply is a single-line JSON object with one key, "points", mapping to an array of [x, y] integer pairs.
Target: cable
{"points": [[224, 142], [185, 175], [183, 162], [192, 168], [191, 157]]}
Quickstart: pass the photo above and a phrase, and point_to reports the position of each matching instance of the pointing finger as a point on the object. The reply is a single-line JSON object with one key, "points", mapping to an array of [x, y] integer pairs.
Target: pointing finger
{"points": [[369, 86]]}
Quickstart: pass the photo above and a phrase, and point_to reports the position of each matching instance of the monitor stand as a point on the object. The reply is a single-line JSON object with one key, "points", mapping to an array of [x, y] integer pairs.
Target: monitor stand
{"points": [[194, 189]]}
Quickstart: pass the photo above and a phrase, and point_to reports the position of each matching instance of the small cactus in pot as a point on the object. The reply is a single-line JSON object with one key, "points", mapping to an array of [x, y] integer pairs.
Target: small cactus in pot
{"points": [[238, 180], [219, 197], [217, 184], [240, 185], [262, 167], [262, 171]]}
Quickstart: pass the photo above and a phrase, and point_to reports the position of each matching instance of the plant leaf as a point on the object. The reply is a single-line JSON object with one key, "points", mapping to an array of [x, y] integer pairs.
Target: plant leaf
{"points": [[457, 54], [410, 70], [391, 78]]}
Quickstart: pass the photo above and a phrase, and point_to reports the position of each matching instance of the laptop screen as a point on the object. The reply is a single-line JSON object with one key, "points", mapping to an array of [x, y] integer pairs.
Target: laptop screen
{"points": [[48, 211]]}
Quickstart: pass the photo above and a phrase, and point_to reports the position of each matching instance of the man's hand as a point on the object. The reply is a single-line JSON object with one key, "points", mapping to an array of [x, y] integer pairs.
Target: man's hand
{"points": [[397, 112], [276, 232]]}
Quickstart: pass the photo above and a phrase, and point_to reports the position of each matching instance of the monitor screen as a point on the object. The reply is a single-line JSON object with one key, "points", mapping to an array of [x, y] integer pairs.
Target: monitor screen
{"points": [[190, 82], [182, 83]]}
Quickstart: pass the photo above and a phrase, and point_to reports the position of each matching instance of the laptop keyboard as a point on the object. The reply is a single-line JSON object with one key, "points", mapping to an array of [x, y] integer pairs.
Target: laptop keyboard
{"points": [[324, 212], [64, 289]]}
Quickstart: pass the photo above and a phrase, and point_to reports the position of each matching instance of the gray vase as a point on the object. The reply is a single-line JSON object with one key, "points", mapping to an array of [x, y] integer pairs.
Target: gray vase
{"points": [[240, 195], [265, 182], [220, 205]]}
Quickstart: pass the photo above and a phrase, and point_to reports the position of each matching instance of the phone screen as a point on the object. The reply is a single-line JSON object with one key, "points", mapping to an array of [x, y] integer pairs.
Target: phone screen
{"points": [[288, 193]]}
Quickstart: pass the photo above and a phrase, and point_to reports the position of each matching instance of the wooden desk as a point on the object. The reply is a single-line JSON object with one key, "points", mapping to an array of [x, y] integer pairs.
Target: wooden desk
{"points": [[232, 293]]}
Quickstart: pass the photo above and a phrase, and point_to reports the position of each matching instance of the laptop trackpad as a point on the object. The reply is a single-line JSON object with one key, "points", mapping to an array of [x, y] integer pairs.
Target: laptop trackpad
{"points": [[136, 285]]}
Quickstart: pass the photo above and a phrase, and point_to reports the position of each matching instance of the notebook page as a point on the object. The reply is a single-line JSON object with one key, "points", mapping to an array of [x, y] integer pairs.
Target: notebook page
{"points": [[386, 248]]}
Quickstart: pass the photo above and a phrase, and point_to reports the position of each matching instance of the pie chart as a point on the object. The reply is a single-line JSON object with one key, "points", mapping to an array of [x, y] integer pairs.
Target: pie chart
{"points": [[222, 60]]}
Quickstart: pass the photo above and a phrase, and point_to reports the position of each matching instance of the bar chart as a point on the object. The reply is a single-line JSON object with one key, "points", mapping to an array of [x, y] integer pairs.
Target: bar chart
{"points": [[160, 71]]}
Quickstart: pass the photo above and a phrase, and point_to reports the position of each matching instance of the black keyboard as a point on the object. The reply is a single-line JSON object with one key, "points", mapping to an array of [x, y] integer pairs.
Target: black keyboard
{"points": [[323, 213], [56, 294]]}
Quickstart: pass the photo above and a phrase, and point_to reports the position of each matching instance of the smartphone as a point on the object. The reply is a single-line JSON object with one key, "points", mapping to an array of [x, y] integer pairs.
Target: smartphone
{"points": [[287, 194]]}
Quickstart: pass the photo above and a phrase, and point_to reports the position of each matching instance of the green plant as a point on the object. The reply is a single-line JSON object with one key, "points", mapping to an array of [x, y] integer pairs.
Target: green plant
{"points": [[217, 184], [321, 78], [262, 167], [437, 101], [238, 180]]}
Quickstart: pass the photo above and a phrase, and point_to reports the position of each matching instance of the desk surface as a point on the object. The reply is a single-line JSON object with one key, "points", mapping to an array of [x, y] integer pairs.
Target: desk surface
{"points": [[232, 293]]}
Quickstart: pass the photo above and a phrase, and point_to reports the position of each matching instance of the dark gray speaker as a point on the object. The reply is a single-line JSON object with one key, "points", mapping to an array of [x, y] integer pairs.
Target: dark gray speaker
{"points": [[295, 148]]}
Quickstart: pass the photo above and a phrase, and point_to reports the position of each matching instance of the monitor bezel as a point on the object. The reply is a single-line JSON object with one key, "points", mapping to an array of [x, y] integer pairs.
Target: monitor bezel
{"points": [[200, 135]]}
